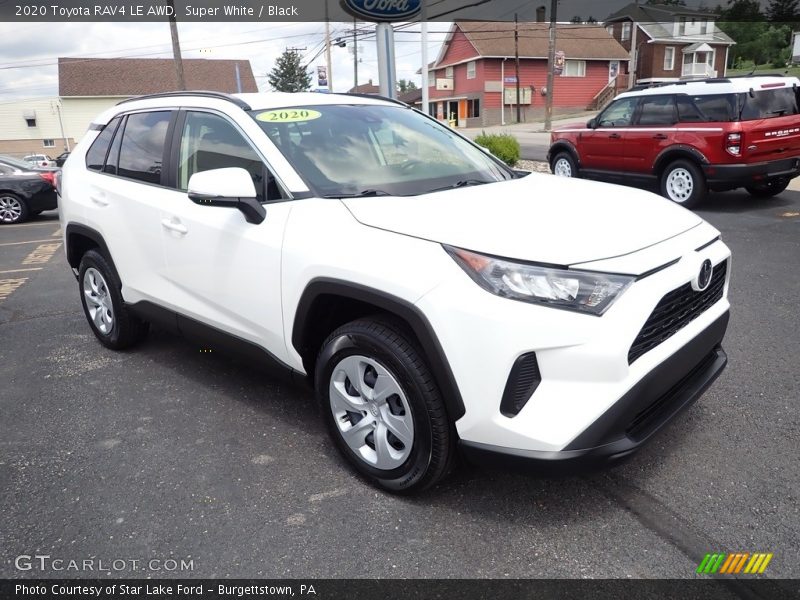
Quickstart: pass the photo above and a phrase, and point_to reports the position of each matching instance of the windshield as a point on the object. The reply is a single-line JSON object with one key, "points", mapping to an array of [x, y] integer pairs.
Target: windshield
{"points": [[366, 150]]}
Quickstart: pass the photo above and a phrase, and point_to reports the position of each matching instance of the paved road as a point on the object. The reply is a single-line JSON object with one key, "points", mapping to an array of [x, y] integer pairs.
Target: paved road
{"points": [[166, 452]]}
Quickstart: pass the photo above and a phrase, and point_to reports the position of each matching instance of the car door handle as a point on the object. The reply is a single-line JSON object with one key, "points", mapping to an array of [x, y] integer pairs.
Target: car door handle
{"points": [[99, 200], [660, 136], [614, 136], [174, 225]]}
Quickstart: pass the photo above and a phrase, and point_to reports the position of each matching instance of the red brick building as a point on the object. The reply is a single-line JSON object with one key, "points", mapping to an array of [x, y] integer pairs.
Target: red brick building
{"points": [[473, 80]]}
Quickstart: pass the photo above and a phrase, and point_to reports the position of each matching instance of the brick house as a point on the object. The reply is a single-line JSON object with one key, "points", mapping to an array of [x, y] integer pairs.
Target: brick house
{"points": [[473, 83], [673, 42]]}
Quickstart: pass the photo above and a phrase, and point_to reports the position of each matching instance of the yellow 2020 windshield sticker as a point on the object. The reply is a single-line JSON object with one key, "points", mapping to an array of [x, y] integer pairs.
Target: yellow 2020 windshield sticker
{"points": [[289, 115]]}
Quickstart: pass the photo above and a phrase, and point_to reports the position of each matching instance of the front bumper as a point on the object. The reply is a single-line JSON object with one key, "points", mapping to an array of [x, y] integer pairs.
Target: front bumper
{"points": [[633, 420], [749, 174]]}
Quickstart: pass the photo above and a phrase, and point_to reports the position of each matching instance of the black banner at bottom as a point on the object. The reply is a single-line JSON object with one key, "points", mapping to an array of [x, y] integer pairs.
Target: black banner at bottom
{"points": [[391, 589]]}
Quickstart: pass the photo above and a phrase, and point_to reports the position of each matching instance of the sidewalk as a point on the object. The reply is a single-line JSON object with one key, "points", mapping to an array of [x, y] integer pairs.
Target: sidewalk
{"points": [[530, 127]]}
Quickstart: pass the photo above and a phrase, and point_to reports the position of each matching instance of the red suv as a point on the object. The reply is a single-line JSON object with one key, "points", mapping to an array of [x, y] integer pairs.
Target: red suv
{"points": [[689, 137]]}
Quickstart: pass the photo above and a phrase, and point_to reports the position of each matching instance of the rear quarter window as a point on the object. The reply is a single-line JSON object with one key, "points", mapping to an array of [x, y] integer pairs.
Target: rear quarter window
{"points": [[96, 156]]}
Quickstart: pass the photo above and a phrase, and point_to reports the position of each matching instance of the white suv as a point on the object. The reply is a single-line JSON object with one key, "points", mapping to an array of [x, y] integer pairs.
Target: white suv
{"points": [[435, 298]]}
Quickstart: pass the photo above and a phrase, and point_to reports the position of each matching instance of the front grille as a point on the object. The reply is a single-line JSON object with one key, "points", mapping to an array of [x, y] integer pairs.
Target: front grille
{"points": [[675, 311]]}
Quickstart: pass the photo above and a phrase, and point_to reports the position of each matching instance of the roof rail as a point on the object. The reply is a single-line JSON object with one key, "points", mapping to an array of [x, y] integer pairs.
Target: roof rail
{"points": [[375, 97], [193, 93], [758, 75]]}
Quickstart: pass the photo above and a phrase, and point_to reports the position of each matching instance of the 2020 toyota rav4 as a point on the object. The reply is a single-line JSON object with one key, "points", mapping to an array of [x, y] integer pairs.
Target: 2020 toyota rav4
{"points": [[437, 299], [691, 136]]}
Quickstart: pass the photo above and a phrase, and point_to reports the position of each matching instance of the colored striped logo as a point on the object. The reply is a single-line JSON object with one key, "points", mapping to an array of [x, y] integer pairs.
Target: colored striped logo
{"points": [[734, 564]]}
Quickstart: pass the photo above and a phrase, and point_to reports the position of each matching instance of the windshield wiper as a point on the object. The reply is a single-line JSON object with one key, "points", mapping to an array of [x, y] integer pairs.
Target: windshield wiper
{"points": [[460, 184], [362, 194]]}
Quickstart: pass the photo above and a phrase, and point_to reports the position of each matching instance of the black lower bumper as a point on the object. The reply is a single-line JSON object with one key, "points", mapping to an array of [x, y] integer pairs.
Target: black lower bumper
{"points": [[634, 419], [749, 174]]}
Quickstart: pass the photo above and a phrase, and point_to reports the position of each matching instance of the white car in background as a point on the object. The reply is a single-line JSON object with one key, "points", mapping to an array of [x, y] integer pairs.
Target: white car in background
{"points": [[40, 160], [435, 298]]}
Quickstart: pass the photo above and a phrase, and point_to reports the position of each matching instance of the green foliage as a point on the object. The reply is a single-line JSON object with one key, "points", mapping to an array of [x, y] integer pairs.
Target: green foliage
{"points": [[289, 74], [405, 85], [502, 145], [757, 41]]}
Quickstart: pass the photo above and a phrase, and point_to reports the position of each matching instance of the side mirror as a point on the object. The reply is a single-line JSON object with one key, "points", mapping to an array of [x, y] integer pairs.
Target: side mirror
{"points": [[228, 188], [592, 124]]}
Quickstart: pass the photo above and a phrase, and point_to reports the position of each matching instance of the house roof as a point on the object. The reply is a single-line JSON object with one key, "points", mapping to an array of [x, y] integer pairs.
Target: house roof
{"points": [[656, 13], [139, 76], [365, 88], [410, 97], [496, 39], [659, 31]]}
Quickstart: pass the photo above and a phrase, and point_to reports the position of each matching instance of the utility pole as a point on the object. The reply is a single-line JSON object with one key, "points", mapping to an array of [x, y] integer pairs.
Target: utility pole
{"points": [[634, 57], [328, 61], [551, 63], [425, 83], [355, 56], [516, 58], [176, 46]]}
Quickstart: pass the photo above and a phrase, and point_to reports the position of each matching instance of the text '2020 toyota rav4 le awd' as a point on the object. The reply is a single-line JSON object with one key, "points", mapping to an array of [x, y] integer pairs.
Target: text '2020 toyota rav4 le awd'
{"points": [[436, 299]]}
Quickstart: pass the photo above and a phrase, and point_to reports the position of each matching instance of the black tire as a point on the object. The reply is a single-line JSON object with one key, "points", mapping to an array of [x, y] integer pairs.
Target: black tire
{"points": [[567, 161], [386, 343], [126, 329], [13, 209], [769, 189], [683, 183]]}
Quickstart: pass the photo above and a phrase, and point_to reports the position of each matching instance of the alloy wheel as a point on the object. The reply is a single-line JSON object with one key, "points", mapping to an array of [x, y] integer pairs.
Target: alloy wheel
{"points": [[10, 209]]}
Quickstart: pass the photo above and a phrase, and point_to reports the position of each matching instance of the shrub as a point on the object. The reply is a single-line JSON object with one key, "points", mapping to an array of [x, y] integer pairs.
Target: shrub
{"points": [[503, 146]]}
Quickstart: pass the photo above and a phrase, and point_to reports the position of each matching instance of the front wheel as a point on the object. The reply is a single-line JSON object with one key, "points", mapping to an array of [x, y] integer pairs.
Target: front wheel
{"points": [[564, 165], [382, 406], [683, 183], [768, 189]]}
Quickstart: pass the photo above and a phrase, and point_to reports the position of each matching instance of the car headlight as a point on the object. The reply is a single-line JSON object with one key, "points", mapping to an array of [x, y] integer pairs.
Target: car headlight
{"points": [[581, 291]]}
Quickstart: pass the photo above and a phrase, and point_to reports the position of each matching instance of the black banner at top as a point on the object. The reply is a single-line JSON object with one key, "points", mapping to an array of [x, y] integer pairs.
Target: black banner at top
{"points": [[345, 10]]}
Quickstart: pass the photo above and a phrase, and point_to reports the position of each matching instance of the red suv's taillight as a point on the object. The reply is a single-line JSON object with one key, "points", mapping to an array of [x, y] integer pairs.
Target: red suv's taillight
{"points": [[733, 144]]}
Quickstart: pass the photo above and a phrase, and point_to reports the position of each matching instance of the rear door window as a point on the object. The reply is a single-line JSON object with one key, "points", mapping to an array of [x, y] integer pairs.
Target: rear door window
{"points": [[141, 154], [658, 110]]}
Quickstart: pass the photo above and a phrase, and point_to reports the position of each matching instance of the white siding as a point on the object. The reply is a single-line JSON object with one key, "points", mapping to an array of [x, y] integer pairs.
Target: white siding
{"points": [[14, 127], [78, 113]]}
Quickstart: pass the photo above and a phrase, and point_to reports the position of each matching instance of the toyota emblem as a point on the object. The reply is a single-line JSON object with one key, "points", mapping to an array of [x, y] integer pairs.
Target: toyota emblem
{"points": [[704, 277]]}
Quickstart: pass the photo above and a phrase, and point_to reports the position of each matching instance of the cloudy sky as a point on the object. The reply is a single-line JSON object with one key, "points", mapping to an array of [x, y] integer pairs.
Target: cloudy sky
{"points": [[29, 51]]}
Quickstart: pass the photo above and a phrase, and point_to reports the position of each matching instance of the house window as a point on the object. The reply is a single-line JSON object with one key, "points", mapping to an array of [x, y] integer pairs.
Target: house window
{"points": [[669, 58], [626, 31], [431, 78], [49, 143], [30, 121], [448, 73], [610, 30], [682, 26], [471, 69], [473, 109], [575, 68]]}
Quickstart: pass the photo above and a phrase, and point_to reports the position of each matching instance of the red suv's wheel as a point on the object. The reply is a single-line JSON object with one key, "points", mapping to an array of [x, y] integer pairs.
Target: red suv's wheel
{"points": [[564, 165], [683, 183]]}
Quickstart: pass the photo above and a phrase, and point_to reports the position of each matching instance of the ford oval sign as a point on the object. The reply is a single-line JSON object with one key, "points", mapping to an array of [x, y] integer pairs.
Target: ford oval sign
{"points": [[383, 11]]}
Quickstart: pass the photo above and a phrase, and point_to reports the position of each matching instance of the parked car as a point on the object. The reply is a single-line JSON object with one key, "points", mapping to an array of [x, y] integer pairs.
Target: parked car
{"points": [[40, 160], [62, 158], [689, 137], [24, 191], [434, 298]]}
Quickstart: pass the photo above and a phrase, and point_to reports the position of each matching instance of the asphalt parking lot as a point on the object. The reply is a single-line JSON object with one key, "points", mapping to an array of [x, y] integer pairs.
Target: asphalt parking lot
{"points": [[168, 452]]}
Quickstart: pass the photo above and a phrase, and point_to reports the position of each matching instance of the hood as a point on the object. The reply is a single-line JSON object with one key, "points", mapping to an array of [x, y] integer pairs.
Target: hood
{"points": [[538, 218]]}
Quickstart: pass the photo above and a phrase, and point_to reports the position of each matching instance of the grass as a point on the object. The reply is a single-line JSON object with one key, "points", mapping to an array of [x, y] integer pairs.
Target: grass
{"points": [[792, 71]]}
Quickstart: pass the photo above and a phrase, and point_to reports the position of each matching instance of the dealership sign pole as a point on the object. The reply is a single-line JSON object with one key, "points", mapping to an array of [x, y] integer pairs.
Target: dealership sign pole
{"points": [[384, 13]]}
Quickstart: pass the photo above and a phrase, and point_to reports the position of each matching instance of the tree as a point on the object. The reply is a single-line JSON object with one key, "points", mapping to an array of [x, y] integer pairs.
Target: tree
{"points": [[405, 85], [783, 11], [576, 19], [289, 74]]}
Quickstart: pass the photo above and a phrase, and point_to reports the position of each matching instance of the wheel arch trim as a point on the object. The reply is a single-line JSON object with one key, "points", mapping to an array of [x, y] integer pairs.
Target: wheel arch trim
{"points": [[76, 229], [563, 145], [402, 309], [677, 152]]}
